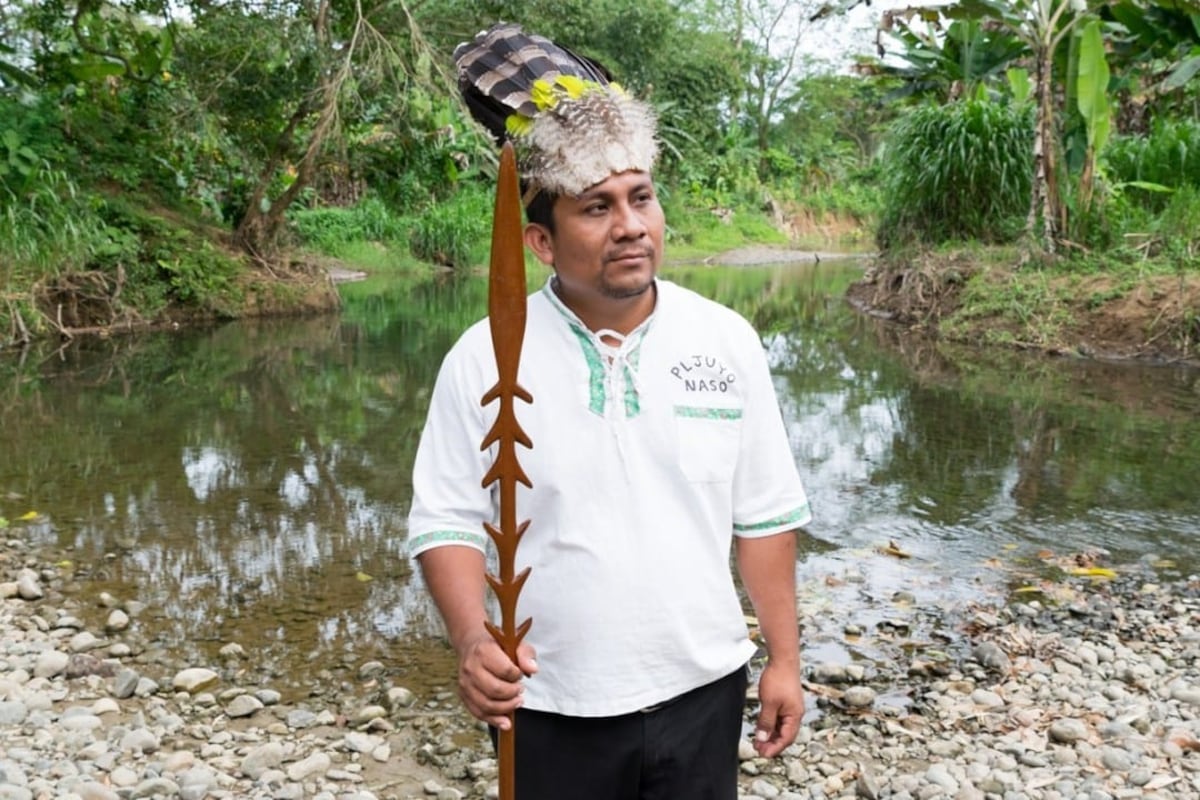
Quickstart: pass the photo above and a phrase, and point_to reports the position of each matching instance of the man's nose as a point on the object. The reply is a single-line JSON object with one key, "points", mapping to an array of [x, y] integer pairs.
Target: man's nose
{"points": [[628, 223]]}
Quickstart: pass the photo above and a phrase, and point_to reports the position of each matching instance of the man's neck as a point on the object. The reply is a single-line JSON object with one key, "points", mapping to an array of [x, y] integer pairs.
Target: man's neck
{"points": [[622, 315]]}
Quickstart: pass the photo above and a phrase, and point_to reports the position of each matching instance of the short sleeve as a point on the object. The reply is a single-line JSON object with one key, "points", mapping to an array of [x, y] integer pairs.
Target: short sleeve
{"points": [[450, 504], [768, 495]]}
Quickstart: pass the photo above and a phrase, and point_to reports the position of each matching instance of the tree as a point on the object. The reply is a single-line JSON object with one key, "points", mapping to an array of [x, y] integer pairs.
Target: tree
{"points": [[329, 57], [770, 38], [943, 61], [832, 127]]}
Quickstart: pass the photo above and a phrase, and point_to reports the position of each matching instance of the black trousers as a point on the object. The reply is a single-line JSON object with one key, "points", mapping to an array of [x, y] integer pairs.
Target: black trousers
{"points": [[684, 749]]}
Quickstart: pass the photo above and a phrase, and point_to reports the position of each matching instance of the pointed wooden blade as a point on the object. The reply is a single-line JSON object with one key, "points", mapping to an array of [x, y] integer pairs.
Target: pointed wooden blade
{"points": [[506, 277]]}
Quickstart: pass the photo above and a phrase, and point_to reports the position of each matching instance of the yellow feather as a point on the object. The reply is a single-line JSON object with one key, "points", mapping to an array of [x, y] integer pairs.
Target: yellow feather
{"points": [[572, 85], [543, 95], [518, 125]]}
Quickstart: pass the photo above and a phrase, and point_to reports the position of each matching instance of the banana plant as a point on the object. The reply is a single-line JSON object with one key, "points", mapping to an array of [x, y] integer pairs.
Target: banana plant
{"points": [[1157, 42], [1094, 105]]}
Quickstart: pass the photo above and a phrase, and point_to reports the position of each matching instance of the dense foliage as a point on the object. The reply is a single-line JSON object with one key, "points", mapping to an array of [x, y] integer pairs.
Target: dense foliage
{"points": [[158, 154]]}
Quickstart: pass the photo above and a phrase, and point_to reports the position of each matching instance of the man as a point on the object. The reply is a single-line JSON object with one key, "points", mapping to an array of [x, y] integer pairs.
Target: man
{"points": [[657, 442]]}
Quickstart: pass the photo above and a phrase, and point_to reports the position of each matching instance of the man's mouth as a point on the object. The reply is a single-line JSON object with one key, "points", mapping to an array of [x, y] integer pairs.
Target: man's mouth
{"points": [[630, 255]]}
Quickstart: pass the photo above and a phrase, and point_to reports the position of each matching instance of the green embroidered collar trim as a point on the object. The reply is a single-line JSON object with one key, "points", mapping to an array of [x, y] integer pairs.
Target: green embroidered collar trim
{"points": [[597, 384]]}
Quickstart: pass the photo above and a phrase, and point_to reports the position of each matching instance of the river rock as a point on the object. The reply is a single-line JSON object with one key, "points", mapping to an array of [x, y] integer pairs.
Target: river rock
{"points": [[50, 663], [1068, 731], [315, 764], [29, 587], [195, 679], [244, 705]]}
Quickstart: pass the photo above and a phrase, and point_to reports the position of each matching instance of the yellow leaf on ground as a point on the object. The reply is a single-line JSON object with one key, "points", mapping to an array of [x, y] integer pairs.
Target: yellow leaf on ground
{"points": [[1093, 572], [363, 577], [28, 515]]}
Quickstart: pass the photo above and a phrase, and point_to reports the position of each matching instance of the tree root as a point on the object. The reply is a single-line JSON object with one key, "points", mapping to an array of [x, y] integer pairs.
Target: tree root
{"points": [[84, 302]]}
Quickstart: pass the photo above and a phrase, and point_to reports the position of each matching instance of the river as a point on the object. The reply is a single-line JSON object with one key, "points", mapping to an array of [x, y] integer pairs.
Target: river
{"points": [[248, 482]]}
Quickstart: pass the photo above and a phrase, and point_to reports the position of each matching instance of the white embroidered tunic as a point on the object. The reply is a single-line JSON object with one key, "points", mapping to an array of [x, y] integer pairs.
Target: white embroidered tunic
{"points": [[648, 456]]}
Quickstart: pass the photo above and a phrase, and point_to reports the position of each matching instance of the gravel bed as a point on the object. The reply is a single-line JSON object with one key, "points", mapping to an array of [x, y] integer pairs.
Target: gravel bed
{"points": [[1097, 697]]}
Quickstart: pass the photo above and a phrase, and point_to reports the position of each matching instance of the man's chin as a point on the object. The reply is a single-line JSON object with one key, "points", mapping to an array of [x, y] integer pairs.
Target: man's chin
{"points": [[626, 291]]}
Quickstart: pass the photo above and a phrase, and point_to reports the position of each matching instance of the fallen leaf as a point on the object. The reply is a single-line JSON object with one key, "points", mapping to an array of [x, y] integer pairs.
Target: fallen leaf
{"points": [[892, 549], [363, 577], [1092, 572], [28, 515]]}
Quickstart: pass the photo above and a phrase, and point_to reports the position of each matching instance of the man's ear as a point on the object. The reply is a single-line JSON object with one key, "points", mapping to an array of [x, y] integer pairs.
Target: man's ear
{"points": [[541, 242]]}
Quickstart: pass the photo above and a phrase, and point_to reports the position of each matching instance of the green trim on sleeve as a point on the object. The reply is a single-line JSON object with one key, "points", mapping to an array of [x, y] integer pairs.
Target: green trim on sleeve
{"points": [[703, 412], [797, 515], [447, 537]]}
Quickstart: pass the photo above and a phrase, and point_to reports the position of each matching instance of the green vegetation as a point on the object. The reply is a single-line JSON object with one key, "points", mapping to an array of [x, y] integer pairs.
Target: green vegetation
{"points": [[158, 165], [957, 172]]}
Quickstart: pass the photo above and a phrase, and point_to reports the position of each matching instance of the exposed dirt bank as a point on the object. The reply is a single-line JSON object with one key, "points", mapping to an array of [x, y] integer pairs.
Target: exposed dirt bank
{"points": [[1154, 318]]}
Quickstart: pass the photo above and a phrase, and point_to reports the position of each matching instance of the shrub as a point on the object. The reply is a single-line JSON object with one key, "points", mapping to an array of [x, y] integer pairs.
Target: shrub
{"points": [[454, 232], [330, 230], [162, 262]]}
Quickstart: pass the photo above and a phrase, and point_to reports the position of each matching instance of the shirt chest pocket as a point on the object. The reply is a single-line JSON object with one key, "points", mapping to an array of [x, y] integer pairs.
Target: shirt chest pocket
{"points": [[708, 442]]}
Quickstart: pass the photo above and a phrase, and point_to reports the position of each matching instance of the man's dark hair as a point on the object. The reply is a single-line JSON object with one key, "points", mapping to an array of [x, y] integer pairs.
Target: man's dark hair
{"points": [[541, 210]]}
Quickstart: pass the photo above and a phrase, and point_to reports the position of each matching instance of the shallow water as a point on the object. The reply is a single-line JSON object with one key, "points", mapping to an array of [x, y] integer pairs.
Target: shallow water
{"points": [[249, 482]]}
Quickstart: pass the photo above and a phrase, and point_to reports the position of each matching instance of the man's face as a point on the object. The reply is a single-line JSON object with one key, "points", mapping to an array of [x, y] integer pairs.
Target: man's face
{"points": [[608, 242]]}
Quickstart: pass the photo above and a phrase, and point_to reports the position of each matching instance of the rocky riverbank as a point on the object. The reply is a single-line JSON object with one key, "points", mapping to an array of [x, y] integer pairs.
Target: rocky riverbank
{"points": [[1096, 696]]}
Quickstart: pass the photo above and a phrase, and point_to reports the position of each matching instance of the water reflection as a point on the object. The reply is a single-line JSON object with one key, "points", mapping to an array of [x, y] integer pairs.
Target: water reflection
{"points": [[249, 482]]}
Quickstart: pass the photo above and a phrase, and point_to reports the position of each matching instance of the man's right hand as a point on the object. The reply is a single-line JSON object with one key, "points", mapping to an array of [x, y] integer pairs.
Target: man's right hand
{"points": [[489, 683]]}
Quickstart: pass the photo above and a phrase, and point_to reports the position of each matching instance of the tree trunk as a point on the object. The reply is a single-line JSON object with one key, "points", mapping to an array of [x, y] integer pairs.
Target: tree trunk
{"points": [[258, 232], [255, 232], [1044, 198]]}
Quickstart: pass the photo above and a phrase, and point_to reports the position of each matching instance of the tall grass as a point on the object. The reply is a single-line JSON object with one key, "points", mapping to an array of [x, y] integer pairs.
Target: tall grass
{"points": [[49, 229], [455, 232], [1168, 156], [957, 172], [1151, 198], [333, 230]]}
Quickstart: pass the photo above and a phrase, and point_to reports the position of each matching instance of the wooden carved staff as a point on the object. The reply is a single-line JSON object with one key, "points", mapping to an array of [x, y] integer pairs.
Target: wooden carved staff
{"points": [[506, 316]]}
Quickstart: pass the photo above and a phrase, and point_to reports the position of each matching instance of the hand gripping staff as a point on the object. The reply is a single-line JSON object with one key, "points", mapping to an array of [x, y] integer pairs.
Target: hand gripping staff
{"points": [[506, 317]]}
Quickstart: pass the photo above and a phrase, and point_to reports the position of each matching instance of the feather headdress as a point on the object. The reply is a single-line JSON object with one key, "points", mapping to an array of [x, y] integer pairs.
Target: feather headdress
{"points": [[572, 125]]}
